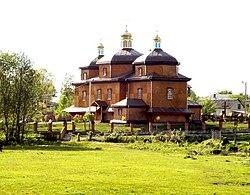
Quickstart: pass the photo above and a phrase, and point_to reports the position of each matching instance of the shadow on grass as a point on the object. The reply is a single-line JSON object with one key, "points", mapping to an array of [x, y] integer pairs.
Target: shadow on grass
{"points": [[54, 148]]}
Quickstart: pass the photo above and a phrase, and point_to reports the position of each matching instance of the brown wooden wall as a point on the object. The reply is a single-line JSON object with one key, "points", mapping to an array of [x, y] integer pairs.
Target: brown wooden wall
{"points": [[118, 93], [90, 73], [169, 118], [179, 94], [159, 93], [117, 70], [137, 114], [131, 114], [101, 67], [78, 102], [146, 93], [164, 70], [143, 67], [197, 113]]}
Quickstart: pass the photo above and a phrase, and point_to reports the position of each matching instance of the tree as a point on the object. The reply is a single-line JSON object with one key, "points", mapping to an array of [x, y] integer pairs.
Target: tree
{"points": [[193, 97], [67, 94], [208, 106], [20, 91], [67, 89], [48, 89], [225, 92]]}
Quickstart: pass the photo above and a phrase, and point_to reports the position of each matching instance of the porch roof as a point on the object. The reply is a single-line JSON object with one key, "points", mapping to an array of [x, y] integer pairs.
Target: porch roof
{"points": [[169, 111], [130, 102], [73, 109], [99, 103]]}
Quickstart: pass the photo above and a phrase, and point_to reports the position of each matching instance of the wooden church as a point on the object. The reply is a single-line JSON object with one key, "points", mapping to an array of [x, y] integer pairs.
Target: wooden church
{"points": [[134, 88]]}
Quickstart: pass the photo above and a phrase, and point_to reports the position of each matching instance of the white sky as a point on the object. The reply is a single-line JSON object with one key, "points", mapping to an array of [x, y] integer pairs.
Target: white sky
{"points": [[211, 38]]}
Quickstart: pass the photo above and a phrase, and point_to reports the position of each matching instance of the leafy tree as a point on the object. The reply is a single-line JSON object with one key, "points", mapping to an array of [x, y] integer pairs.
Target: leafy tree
{"points": [[67, 89], [20, 91], [47, 88], [193, 97], [225, 92], [208, 106], [67, 95]]}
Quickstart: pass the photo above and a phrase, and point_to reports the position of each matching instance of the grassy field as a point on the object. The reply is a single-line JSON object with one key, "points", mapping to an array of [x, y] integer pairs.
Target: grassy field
{"points": [[106, 168]]}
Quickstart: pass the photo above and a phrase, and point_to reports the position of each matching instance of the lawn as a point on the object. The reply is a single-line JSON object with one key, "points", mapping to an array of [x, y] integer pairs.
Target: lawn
{"points": [[108, 168]]}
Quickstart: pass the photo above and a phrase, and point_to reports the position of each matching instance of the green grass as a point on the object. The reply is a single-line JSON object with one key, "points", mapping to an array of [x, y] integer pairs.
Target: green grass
{"points": [[106, 168], [226, 125]]}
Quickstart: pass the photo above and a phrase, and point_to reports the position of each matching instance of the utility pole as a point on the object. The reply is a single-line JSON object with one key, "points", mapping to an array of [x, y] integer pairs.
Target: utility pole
{"points": [[90, 95]]}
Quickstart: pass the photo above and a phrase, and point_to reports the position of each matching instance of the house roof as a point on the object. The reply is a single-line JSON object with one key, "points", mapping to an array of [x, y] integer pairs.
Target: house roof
{"points": [[156, 57], [220, 103], [130, 102], [192, 104]]}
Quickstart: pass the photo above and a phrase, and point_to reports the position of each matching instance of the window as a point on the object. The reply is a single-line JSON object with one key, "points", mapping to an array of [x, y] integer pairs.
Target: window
{"points": [[119, 111], [99, 94], [129, 43], [140, 71], [139, 93], [239, 106], [170, 93], [84, 96], [109, 94], [84, 76], [104, 71]]}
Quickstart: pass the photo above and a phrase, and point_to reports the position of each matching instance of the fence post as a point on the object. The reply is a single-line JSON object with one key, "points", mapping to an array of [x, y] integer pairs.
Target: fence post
{"points": [[131, 127], [112, 127], [50, 125], [35, 124], [203, 125], [168, 126], [73, 127], [220, 123], [65, 124], [150, 126]]}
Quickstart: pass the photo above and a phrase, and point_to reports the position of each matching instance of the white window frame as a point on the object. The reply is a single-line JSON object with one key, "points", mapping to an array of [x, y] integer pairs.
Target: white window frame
{"points": [[104, 71], [170, 94], [139, 91], [119, 111], [99, 94], [84, 95], [85, 76], [140, 71], [109, 94]]}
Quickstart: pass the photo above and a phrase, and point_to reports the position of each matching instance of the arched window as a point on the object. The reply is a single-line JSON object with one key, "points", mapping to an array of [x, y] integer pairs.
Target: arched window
{"points": [[170, 95], [84, 96], [140, 72], [104, 71], [139, 93], [84, 76], [99, 94], [109, 94]]}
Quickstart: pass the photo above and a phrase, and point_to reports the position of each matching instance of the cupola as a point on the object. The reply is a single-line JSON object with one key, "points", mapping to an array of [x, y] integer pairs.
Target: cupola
{"points": [[157, 41], [100, 50], [126, 41]]}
